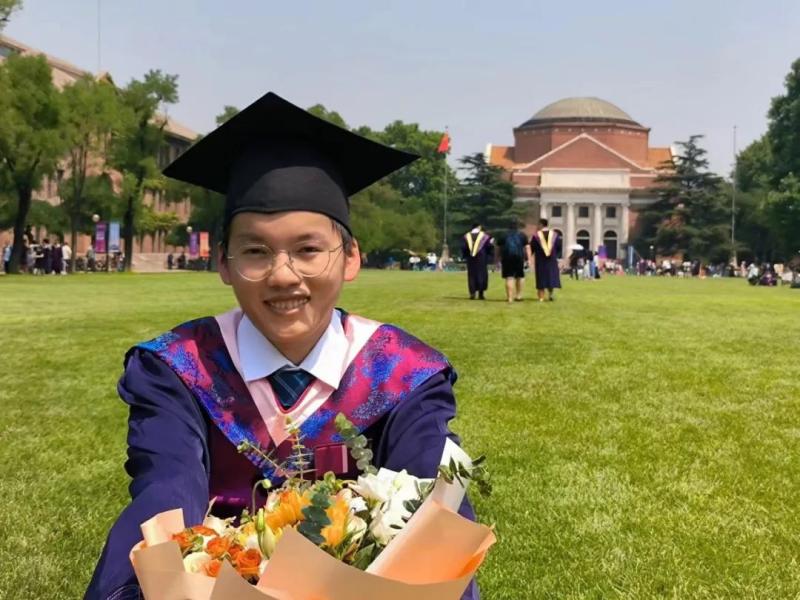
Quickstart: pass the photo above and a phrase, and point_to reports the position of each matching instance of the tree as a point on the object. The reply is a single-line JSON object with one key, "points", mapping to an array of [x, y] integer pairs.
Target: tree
{"points": [[383, 223], [31, 137], [691, 216], [228, 112], [784, 128], [135, 150], [7, 8], [783, 214], [208, 207], [484, 196], [92, 114]]}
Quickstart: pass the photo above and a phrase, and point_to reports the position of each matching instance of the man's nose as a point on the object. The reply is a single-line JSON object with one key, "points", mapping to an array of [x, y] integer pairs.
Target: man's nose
{"points": [[283, 273]]}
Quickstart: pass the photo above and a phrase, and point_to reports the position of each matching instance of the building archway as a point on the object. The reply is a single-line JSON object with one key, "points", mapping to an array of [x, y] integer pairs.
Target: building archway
{"points": [[584, 239], [610, 242]]}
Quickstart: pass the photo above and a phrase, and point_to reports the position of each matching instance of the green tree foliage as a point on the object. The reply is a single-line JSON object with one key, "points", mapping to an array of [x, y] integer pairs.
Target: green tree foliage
{"points": [[783, 216], [228, 112], [485, 196], [691, 217], [208, 208], [385, 227], [31, 139], [418, 202], [93, 113], [135, 150], [7, 8], [784, 128], [766, 175]]}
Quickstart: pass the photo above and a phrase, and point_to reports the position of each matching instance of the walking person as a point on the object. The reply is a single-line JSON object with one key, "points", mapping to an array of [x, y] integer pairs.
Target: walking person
{"points": [[477, 250], [514, 250], [66, 252], [57, 259], [546, 246]]}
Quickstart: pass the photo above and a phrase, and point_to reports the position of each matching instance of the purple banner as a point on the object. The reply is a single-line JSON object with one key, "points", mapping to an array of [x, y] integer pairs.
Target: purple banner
{"points": [[194, 244], [100, 238]]}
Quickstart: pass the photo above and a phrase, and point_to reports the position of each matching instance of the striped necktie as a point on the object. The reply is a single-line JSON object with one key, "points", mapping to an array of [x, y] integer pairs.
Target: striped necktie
{"points": [[289, 384]]}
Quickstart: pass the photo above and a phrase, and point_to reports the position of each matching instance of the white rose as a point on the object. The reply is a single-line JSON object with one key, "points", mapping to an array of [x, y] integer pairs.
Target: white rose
{"points": [[372, 487], [194, 562], [216, 524], [357, 504], [386, 523]]}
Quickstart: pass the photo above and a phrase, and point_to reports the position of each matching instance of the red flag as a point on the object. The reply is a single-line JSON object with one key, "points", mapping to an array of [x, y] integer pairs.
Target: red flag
{"points": [[444, 145]]}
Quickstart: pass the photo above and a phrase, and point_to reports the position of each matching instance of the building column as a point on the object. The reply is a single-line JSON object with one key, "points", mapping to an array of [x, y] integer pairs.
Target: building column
{"points": [[626, 225], [570, 228], [543, 209], [597, 226]]}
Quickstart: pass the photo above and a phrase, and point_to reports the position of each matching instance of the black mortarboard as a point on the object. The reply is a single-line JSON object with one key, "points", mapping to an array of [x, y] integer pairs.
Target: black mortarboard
{"points": [[274, 156]]}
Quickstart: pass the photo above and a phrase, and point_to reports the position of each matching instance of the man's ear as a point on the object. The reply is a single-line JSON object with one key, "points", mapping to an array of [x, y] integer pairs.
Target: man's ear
{"points": [[352, 262], [224, 266]]}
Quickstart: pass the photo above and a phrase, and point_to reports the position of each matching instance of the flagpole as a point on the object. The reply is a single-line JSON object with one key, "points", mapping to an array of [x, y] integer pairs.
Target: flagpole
{"points": [[445, 249]]}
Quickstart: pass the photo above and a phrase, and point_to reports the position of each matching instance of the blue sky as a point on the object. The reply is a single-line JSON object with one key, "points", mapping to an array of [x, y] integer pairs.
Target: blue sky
{"points": [[481, 68]]}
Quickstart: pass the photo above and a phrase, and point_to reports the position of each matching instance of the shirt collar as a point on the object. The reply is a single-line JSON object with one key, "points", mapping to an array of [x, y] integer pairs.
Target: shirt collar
{"points": [[259, 358]]}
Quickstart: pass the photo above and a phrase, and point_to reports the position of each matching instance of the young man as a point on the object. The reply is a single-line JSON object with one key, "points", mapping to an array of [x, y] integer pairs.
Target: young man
{"points": [[477, 250], [514, 250], [546, 246], [198, 391]]}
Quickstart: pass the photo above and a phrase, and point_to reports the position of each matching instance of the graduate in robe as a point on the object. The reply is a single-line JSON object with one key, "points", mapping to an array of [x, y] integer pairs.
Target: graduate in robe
{"points": [[477, 249], [546, 248], [198, 391]]}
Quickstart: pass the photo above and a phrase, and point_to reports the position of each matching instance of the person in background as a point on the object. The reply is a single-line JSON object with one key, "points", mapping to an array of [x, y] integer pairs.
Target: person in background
{"points": [[546, 247], [57, 258], [66, 252], [6, 257], [478, 250], [514, 251], [170, 261]]}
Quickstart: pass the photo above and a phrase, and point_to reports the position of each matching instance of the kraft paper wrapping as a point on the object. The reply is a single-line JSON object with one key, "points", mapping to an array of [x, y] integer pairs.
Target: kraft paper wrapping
{"points": [[434, 557]]}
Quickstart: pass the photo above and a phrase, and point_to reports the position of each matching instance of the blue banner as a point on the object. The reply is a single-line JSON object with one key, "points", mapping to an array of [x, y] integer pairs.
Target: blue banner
{"points": [[113, 237]]}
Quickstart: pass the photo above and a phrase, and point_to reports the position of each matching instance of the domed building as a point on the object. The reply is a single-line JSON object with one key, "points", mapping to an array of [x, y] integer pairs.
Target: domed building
{"points": [[585, 165]]}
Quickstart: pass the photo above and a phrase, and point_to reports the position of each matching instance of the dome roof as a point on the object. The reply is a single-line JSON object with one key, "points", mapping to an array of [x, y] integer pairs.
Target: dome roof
{"points": [[582, 110]]}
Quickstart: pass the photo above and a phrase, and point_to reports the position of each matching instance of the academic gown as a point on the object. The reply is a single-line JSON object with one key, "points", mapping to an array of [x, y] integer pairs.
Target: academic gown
{"points": [[478, 265], [546, 267], [169, 435]]}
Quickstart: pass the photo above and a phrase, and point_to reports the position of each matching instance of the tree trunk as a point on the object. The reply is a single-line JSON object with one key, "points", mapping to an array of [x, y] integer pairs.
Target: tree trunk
{"points": [[73, 242], [23, 206]]}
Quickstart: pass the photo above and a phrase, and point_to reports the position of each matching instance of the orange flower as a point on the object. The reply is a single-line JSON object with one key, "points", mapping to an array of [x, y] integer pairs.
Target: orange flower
{"points": [[212, 567], [338, 513], [218, 546], [234, 550], [185, 539], [203, 530], [248, 562], [288, 511]]}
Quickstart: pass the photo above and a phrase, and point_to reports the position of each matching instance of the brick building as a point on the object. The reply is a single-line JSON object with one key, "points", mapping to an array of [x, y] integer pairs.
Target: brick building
{"points": [[149, 250], [585, 165]]}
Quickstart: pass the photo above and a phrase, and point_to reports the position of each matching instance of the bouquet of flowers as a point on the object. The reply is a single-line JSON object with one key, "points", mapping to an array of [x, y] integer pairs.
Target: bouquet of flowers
{"points": [[384, 535]]}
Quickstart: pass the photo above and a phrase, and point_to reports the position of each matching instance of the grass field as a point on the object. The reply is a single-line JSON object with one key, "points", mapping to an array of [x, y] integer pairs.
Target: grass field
{"points": [[643, 434]]}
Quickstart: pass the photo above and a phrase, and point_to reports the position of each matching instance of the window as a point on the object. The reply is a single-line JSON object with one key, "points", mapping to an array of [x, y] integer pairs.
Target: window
{"points": [[555, 212], [583, 239], [583, 212], [610, 242], [611, 212]]}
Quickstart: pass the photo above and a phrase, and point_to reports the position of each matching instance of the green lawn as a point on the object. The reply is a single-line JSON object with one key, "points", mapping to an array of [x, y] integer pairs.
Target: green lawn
{"points": [[643, 434]]}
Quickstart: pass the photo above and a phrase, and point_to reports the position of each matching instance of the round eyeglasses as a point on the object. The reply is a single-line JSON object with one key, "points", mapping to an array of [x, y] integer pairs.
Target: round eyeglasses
{"points": [[256, 262]]}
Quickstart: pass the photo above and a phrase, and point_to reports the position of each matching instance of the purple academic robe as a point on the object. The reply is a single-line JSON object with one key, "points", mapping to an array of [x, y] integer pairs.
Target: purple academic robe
{"points": [[169, 436]]}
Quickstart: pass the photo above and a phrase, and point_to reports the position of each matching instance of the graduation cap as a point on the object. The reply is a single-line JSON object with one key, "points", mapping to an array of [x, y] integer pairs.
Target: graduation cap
{"points": [[274, 156]]}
